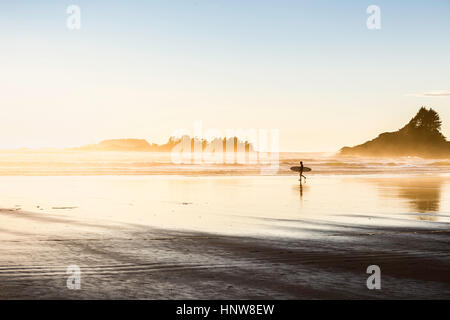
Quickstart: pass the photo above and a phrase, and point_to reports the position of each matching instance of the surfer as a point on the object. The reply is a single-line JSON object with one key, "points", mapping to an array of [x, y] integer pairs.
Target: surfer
{"points": [[300, 169], [301, 172]]}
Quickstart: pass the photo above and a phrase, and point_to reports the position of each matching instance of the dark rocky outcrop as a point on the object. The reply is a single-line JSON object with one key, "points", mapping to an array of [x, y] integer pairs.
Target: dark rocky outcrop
{"points": [[420, 137]]}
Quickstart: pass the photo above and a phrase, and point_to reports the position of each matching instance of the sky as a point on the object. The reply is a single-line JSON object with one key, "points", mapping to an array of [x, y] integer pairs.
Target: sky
{"points": [[144, 69]]}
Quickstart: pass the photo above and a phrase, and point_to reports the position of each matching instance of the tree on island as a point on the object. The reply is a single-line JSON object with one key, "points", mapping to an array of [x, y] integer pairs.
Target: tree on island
{"points": [[426, 123], [427, 120]]}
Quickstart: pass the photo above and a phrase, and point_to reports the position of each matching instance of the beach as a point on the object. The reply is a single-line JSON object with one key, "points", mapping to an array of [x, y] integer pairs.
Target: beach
{"points": [[225, 237], [202, 150]]}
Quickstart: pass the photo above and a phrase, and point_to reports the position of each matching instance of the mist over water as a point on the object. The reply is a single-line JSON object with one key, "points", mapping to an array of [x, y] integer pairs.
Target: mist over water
{"points": [[149, 163]]}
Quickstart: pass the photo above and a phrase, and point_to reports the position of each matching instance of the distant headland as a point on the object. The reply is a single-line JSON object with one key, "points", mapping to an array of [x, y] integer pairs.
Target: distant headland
{"points": [[232, 144], [421, 137]]}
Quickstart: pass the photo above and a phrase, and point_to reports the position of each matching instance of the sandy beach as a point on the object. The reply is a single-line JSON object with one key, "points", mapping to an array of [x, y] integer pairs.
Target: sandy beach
{"points": [[249, 237]]}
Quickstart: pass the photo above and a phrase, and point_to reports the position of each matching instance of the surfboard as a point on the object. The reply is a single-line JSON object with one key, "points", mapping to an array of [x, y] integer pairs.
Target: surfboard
{"points": [[297, 169]]}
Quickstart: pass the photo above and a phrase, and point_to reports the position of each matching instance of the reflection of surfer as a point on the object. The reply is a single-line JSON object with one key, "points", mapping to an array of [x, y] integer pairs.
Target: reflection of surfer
{"points": [[301, 172]]}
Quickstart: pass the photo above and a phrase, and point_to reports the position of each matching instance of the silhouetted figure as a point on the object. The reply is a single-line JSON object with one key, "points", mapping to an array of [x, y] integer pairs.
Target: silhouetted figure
{"points": [[301, 172]]}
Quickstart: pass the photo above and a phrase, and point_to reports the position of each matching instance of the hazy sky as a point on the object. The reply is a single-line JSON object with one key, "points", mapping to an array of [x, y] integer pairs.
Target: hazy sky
{"points": [[142, 69]]}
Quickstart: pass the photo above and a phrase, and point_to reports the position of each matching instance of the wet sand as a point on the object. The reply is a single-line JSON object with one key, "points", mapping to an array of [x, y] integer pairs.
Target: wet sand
{"points": [[156, 264], [304, 256]]}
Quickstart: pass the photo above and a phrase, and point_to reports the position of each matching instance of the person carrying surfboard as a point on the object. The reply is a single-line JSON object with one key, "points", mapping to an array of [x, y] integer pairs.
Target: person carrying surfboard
{"points": [[301, 171]]}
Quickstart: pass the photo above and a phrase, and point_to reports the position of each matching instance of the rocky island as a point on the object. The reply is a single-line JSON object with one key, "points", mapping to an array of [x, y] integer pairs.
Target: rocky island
{"points": [[421, 137]]}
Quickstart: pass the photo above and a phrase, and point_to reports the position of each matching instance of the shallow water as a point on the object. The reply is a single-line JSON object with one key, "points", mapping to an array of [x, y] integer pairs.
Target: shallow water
{"points": [[238, 205], [224, 237]]}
